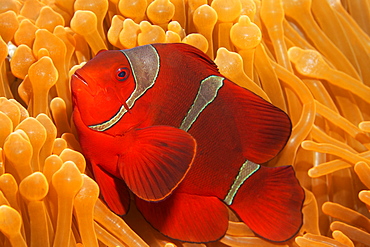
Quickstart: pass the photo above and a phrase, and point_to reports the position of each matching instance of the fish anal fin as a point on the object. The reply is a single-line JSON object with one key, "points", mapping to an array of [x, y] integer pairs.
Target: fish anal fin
{"points": [[114, 191], [270, 202], [156, 161], [186, 217]]}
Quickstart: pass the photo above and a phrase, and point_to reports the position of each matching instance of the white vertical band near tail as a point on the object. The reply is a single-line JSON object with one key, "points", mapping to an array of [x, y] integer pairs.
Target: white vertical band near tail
{"points": [[246, 170]]}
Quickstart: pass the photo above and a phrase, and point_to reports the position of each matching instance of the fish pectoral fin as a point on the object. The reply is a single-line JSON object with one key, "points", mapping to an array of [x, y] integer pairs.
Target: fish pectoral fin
{"points": [[113, 190], [157, 161]]}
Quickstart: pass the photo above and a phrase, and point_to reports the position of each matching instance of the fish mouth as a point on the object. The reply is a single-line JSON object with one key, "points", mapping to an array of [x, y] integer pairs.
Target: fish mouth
{"points": [[79, 83], [80, 78]]}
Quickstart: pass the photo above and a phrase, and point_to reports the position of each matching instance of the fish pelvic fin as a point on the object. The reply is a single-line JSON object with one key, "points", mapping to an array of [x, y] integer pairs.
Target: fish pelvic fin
{"points": [[114, 191]]}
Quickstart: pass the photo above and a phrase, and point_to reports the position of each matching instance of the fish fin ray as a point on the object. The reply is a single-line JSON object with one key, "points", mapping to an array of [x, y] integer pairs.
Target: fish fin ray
{"points": [[113, 190], [157, 161], [187, 217], [263, 128], [190, 52], [270, 203]]}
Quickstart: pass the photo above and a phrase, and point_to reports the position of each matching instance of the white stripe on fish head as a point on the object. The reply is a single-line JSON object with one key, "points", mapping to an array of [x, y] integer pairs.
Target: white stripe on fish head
{"points": [[144, 62]]}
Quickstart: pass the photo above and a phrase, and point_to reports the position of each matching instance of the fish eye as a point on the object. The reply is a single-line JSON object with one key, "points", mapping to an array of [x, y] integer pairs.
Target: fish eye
{"points": [[122, 74]]}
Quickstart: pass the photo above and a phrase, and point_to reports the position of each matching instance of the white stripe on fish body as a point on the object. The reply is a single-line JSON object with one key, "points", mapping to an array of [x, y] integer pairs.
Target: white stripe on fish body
{"points": [[207, 93]]}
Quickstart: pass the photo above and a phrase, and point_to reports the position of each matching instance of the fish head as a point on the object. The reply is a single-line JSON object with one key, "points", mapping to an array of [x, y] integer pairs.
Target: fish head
{"points": [[102, 86]]}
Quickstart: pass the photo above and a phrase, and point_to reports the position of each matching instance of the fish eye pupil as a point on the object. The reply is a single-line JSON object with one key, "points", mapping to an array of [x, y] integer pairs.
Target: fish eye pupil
{"points": [[122, 74]]}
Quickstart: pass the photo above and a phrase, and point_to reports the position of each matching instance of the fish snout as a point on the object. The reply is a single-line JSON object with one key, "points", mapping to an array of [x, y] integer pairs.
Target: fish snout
{"points": [[81, 82]]}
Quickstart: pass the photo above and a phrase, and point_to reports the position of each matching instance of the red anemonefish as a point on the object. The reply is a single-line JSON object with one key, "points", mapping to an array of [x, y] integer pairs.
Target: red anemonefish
{"points": [[161, 121]]}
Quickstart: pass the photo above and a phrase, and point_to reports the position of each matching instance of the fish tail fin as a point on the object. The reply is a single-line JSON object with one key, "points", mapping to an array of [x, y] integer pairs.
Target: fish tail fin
{"points": [[270, 202]]}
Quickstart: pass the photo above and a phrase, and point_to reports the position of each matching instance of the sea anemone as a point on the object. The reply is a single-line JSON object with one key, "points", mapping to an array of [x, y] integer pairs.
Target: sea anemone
{"points": [[308, 57]]}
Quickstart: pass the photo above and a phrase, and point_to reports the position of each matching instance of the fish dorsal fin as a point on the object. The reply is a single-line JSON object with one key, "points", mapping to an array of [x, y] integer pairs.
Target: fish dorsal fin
{"points": [[263, 129], [156, 161], [195, 53], [182, 55]]}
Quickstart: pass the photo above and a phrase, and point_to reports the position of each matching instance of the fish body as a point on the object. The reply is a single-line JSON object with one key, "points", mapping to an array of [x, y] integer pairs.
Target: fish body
{"points": [[161, 121]]}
